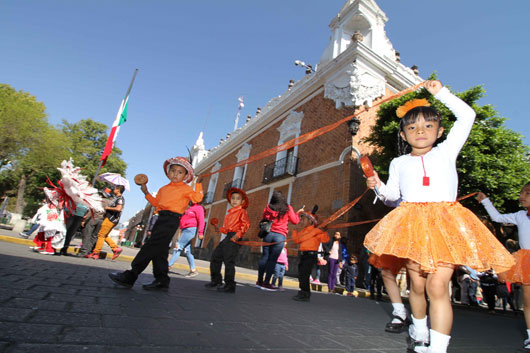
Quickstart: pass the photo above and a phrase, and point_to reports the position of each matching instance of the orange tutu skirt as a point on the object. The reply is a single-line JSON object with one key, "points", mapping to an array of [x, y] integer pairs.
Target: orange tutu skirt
{"points": [[438, 233], [391, 263], [520, 272]]}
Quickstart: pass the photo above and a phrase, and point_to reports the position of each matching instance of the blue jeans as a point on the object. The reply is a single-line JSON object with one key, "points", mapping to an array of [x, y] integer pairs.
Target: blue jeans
{"points": [[184, 243], [350, 284], [279, 272], [32, 229], [267, 263]]}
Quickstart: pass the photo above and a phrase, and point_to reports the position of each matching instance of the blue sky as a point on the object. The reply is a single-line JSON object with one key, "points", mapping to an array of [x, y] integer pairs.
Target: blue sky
{"points": [[197, 57]]}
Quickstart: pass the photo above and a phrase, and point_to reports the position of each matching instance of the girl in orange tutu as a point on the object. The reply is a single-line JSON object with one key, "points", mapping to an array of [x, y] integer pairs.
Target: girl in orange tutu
{"points": [[429, 228], [520, 273]]}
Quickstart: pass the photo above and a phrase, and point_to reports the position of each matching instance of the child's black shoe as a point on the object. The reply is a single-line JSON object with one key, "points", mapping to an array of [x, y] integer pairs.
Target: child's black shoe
{"points": [[397, 327], [156, 285], [302, 296], [227, 288], [119, 278], [212, 285]]}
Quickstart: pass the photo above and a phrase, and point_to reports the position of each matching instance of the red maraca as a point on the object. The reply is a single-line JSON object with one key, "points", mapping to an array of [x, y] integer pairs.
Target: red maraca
{"points": [[368, 170], [367, 167]]}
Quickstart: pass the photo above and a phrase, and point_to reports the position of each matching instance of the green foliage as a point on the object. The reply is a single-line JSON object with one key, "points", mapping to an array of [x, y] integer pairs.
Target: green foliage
{"points": [[22, 120], [30, 146], [494, 159]]}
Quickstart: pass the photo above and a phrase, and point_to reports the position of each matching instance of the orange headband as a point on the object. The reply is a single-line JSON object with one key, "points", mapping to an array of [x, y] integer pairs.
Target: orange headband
{"points": [[405, 108]]}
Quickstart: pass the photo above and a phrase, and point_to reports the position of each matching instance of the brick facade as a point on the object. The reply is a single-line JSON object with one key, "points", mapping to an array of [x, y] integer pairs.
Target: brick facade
{"points": [[329, 188]]}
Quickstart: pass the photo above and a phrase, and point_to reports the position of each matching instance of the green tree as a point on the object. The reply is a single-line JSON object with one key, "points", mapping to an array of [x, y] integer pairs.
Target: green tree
{"points": [[22, 120], [87, 141], [29, 145], [494, 159]]}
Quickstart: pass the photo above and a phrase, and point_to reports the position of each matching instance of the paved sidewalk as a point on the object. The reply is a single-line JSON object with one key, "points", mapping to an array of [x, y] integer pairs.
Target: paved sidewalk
{"points": [[67, 304]]}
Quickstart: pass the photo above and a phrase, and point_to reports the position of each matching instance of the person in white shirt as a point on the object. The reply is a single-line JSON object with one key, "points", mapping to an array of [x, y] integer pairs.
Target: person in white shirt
{"points": [[520, 272], [429, 228]]}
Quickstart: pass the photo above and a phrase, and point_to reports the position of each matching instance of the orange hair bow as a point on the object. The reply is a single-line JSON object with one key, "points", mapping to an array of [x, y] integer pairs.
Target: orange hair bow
{"points": [[405, 108]]}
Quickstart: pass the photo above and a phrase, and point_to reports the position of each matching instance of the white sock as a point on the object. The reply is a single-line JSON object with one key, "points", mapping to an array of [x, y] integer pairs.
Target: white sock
{"points": [[528, 333], [419, 330], [399, 310], [439, 342]]}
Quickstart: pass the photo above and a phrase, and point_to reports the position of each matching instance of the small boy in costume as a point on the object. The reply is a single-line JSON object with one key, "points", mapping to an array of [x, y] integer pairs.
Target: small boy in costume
{"points": [[51, 225], [309, 239], [171, 201], [236, 224]]}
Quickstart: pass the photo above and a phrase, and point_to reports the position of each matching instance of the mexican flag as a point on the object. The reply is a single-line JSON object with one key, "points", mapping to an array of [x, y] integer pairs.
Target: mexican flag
{"points": [[121, 117]]}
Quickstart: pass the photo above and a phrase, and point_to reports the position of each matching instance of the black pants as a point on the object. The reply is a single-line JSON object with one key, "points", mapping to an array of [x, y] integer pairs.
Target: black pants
{"points": [[225, 252], [156, 248], [305, 266], [489, 295], [376, 282], [90, 235], [72, 224]]}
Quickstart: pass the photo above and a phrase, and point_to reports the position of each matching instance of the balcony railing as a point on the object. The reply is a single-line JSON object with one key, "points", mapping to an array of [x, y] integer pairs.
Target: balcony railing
{"points": [[234, 184], [208, 198], [280, 169]]}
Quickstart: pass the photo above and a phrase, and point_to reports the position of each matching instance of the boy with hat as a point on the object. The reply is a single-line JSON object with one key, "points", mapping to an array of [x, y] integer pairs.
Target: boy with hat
{"points": [[171, 201], [236, 224], [309, 239]]}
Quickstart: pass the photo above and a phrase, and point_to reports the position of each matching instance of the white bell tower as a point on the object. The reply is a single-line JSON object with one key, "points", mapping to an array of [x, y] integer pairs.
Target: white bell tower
{"points": [[358, 20]]}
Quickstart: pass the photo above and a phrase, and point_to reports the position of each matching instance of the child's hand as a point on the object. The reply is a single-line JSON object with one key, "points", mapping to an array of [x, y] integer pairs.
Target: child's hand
{"points": [[373, 181], [143, 187], [198, 179], [201, 236], [301, 210], [481, 196], [433, 86]]}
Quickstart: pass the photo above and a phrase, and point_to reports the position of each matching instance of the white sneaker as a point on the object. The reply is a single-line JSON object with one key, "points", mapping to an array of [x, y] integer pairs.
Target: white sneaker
{"points": [[192, 274], [23, 235], [44, 252]]}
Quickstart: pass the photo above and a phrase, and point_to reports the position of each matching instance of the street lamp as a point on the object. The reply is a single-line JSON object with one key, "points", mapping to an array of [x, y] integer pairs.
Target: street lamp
{"points": [[308, 68]]}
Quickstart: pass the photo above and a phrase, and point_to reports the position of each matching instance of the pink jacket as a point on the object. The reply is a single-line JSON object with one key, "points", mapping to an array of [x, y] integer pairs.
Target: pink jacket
{"points": [[283, 259], [281, 225], [193, 217]]}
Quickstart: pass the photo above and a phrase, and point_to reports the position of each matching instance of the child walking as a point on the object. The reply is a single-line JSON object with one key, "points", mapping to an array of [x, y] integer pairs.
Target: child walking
{"points": [[282, 265], [309, 239], [171, 201], [236, 224], [191, 221], [520, 273], [351, 274], [430, 228]]}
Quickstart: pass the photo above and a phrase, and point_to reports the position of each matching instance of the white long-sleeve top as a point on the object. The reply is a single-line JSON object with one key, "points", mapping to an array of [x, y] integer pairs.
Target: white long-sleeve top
{"points": [[518, 218], [406, 172]]}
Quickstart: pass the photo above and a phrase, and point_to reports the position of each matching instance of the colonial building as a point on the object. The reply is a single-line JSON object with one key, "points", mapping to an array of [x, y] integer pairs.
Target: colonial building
{"points": [[358, 67]]}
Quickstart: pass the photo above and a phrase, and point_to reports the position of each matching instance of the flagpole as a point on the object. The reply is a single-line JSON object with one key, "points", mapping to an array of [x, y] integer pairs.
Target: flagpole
{"points": [[241, 105], [124, 100]]}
